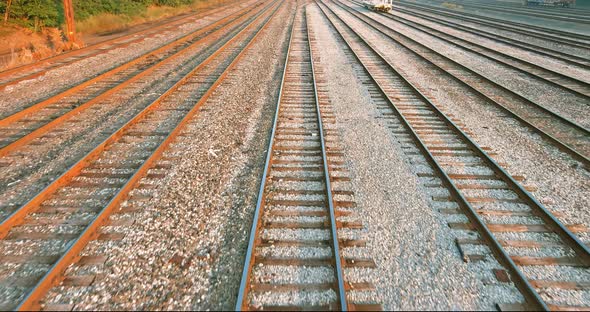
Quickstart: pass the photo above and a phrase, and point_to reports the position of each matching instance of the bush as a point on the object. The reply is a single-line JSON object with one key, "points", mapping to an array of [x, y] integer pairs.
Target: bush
{"points": [[35, 13], [39, 13]]}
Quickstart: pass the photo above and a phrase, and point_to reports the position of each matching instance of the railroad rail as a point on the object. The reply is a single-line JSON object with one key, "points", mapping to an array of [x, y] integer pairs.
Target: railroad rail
{"points": [[29, 71], [579, 18], [496, 206], [143, 61], [535, 71], [565, 57], [563, 133], [72, 209], [40, 118], [518, 6], [294, 258], [562, 11], [556, 36]]}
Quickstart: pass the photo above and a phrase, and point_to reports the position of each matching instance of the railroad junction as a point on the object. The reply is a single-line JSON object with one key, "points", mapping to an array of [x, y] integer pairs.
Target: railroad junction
{"points": [[304, 154]]}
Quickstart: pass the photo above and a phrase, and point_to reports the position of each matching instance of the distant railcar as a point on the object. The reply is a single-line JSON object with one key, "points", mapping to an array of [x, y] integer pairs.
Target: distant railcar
{"points": [[555, 3], [378, 5]]}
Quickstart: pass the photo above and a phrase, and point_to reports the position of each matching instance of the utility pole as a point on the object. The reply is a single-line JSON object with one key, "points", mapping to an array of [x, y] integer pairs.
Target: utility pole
{"points": [[70, 24]]}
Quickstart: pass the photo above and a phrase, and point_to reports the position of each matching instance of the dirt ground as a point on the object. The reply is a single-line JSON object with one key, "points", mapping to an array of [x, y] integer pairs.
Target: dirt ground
{"points": [[19, 45]]}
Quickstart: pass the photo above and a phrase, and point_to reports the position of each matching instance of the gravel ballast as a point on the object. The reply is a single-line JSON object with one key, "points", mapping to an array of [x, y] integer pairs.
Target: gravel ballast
{"points": [[545, 94], [418, 265], [202, 210], [31, 169], [185, 227], [562, 184], [58, 79]]}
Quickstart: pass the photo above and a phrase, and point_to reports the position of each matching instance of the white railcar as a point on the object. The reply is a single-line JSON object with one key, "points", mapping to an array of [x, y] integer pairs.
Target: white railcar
{"points": [[378, 5]]}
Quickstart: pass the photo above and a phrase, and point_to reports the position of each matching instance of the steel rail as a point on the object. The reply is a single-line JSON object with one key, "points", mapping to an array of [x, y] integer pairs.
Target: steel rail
{"points": [[169, 46], [241, 302], [40, 131], [247, 269], [532, 31], [572, 151], [522, 9], [97, 49], [543, 30], [559, 55], [71, 255], [573, 85], [517, 6], [329, 191], [572, 19], [16, 217], [531, 296]]}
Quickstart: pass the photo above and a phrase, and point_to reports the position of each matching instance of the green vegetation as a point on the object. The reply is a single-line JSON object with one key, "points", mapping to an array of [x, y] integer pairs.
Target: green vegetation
{"points": [[36, 14], [33, 13]]}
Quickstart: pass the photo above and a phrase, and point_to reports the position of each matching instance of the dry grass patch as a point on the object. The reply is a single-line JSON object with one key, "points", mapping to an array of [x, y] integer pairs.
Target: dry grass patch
{"points": [[105, 23], [452, 6]]}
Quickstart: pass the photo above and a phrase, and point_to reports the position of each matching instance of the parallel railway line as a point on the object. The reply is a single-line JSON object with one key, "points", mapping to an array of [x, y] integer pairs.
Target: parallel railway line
{"points": [[556, 36], [552, 10], [565, 57], [559, 16], [30, 71], [520, 232], [305, 237], [61, 220], [40, 118], [53, 146], [294, 258], [563, 133], [565, 82]]}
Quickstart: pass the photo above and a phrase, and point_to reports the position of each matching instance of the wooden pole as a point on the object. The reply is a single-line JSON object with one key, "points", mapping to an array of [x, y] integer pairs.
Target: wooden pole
{"points": [[70, 24]]}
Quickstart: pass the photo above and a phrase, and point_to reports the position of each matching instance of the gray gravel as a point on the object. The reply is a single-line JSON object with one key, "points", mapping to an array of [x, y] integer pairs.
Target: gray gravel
{"points": [[28, 91], [418, 266], [547, 62], [33, 168], [201, 211], [521, 37], [561, 182], [546, 95], [447, 105]]}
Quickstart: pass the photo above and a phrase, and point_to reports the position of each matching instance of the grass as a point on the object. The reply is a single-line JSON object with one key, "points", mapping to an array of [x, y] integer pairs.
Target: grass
{"points": [[103, 23], [110, 23], [28, 46], [452, 6]]}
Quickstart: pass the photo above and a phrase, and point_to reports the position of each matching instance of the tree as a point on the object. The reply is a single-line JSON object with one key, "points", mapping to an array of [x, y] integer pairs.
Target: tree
{"points": [[37, 13], [7, 10]]}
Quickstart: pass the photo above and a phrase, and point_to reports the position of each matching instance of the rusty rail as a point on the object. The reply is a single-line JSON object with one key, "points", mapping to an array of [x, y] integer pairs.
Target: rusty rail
{"points": [[91, 231]]}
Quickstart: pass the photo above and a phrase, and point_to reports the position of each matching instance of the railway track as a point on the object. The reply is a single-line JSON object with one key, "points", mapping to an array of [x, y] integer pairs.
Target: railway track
{"points": [[295, 254], [540, 255], [579, 18], [38, 119], [577, 12], [563, 133], [46, 235], [557, 11], [58, 143], [555, 36], [143, 61], [29, 71], [568, 58], [535, 71]]}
